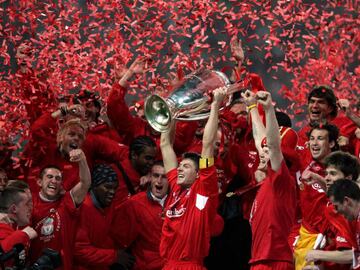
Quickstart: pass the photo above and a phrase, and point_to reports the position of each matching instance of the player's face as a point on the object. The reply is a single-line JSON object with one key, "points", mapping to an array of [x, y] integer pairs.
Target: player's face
{"points": [[105, 192], [159, 182], [72, 138], [187, 173], [264, 158], [343, 208], [50, 183], [145, 160], [318, 109], [23, 209], [319, 144], [332, 174]]}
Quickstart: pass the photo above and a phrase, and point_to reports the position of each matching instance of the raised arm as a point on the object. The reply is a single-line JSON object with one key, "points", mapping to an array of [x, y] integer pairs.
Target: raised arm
{"points": [[238, 54], [167, 150], [79, 191], [137, 67], [127, 124], [211, 127], [258, 128], [272, 130], [344, 105]]}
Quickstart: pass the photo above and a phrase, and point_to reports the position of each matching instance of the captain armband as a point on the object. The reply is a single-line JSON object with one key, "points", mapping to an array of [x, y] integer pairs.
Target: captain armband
{"points": [[206, 162]]}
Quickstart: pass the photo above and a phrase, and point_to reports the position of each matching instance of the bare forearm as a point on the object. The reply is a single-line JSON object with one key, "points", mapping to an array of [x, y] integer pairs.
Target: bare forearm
{"points": [[125, 78], [258, 128], [84, 173], [336, 256], [167, 150], [210, 130], [272, 129], [80, 190], [355, 118]]}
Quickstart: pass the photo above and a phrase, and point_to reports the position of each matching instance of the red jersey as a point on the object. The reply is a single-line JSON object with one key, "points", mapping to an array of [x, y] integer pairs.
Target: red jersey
{"points": [[55, 223], [313, 201], [189, 218], [338, 236], [9, 237], [137, 224], [94, 247], [272, 216], [356, 248], [122, 193]]}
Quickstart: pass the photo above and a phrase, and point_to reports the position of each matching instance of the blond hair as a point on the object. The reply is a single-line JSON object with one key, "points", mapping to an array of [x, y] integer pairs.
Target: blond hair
{"points": [[67, 125]]}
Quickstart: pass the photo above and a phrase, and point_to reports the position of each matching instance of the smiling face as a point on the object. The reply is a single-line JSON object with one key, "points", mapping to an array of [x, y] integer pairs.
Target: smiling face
{"points": [[144, 161], [319, 144], [50, 183], [264, 159], [159, 182], [318, 109], [187, 173]]}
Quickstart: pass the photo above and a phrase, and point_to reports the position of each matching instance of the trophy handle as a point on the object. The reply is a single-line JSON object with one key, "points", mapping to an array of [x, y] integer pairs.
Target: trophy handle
{"points": [[159, 112]]}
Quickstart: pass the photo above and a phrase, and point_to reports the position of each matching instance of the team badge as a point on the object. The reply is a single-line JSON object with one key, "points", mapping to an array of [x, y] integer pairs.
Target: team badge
{"points": [[48, 226], [201, 201]]}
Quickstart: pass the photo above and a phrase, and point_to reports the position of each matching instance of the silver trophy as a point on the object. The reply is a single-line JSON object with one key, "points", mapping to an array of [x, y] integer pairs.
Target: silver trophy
{"points": [[190, 100]]}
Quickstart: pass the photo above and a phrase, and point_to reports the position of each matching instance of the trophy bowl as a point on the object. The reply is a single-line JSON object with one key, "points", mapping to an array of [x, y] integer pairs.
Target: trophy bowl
{"points": [[189, 101]]}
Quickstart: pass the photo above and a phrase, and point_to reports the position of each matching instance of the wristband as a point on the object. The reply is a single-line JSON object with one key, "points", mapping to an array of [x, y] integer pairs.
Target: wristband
{"points": [[206, 162], [251, 107]]}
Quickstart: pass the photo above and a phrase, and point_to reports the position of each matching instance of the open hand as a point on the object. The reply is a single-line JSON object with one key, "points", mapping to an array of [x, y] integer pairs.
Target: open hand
{"points": [[236, 49]]}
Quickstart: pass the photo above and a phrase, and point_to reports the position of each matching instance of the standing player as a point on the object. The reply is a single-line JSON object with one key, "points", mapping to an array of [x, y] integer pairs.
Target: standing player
{"points": [[273, 210], [192, 203]]}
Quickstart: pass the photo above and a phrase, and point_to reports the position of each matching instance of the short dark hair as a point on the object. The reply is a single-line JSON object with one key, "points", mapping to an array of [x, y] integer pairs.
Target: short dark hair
{"points": [[138, 145], [344, 188], [18, 184], [159, 163], [348, 164], [9, 196], [332, 130], [88, 96], [324, 91], [43, 170], [195, 157], [283, 119]]}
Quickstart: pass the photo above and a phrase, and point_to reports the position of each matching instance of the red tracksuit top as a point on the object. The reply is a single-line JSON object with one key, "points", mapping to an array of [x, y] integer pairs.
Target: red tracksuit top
{"points": [[137, 224], [94, 247], [10, 237]]}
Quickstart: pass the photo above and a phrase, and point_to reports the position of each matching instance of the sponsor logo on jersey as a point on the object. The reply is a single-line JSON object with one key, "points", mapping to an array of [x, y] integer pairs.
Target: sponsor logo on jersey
{"points": [[174, 213]]}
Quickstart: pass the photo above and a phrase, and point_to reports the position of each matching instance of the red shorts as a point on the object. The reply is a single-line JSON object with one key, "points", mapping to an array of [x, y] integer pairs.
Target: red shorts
{"points": [[183, 265], [272, 265]]}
